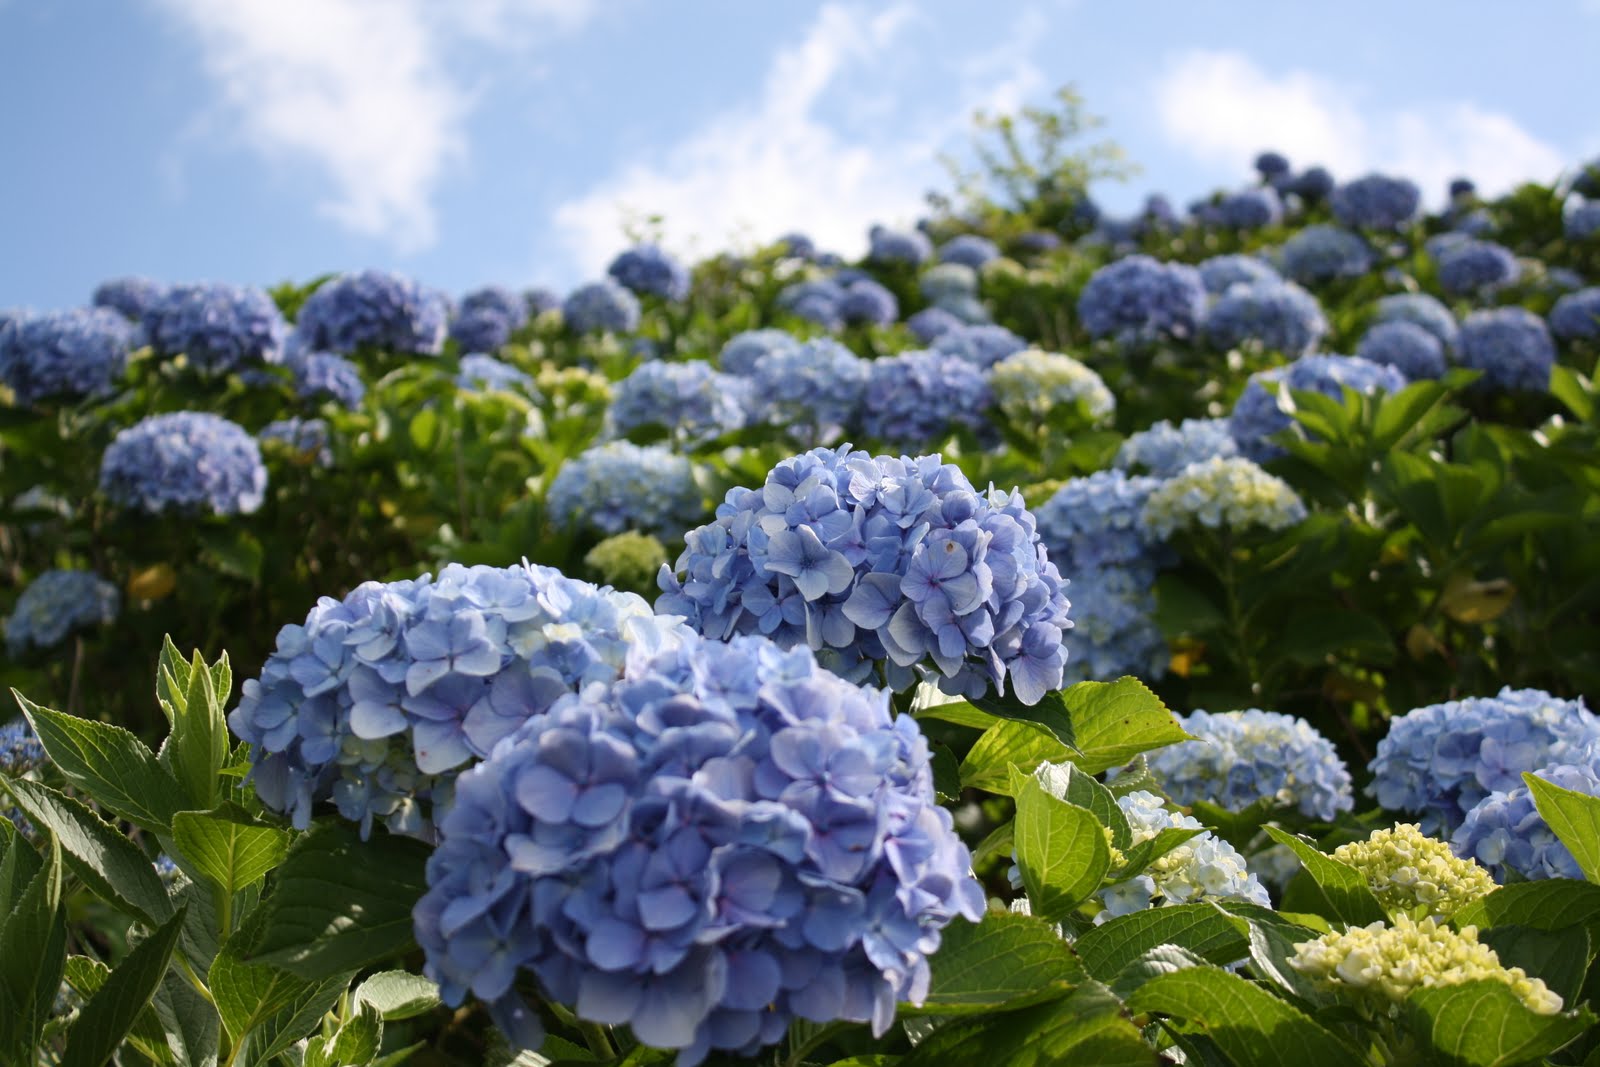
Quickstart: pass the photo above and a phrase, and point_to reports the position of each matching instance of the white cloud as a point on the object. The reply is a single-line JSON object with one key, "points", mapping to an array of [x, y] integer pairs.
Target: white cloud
{"points": [[761, 170], [1222, 109], [356, 89]]}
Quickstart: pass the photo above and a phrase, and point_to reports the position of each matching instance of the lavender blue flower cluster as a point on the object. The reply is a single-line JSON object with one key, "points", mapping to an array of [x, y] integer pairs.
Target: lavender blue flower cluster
{"points": [[725, 839], [833, 303], [648, 270], [187, 461], [1277, 316], [323, 374], [620, 486], [969, 250], [130, 297], [1576, 316], [57, 603], [1094, 521], [1321, 253], [1476, 267], [1113, 627], [813, 389], [20, 750], [601, 307], [1376, 202], [481, 373], [374, 310], [873, 561], [376, 701], [1405, 346], [929, 324], [1439, 761], [982, 346], [694, 403], [1259, 412], [1422, 310], [1163, 450], [1506, 834], [744, 350], [1582, 222], [1246, 757], [219, 328], [1142, 299], [1249, 209], [64, 355], [1221, 273], [898, 246], [1511, 345], [917, 397]]}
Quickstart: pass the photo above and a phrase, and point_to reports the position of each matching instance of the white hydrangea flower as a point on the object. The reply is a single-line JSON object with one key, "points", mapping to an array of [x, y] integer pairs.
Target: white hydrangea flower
{"points": [[1030, 384], [1222, 491]]}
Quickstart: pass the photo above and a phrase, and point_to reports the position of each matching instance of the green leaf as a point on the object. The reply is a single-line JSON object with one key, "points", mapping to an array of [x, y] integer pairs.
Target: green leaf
{"points": [[1559, 957], [355, 1044], [199, 744], [1573, 390], [108, 1016], [1203, 929], [1249, 1024], [1484, 1023], [229, 847], [1077, 787], [147, 1035], [1009, 743], [34, 934], [1574, 818], [111, 866], [248, 995], [297, 1018], [1134, 777], [1340, 892], [1005, 959], [1314, 634], [1163, 959], [1552, 904], [1112, 722], [399, 994], [340, 903], [172, 679], [189, 1022], [424, 429], [18, 864], [234, 551], [1085, 1027], [946, 773], [1061, 849], [108, 763]]}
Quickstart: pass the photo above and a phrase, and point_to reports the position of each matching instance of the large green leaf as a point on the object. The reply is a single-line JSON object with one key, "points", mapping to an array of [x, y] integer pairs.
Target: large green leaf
{"points": [[1340, 893], [198, 746], [1552, 904], [229, 847], [1061, 849], [1009, 743], [146, 1036], [108, 1016], [340, 903], [1484, 1023], [1203, 929], [189, 1020], [34, 936], [399, 994], [1005, 959], [355, 1044], [1560, 958], [1574, 818], [1076, 786], [1253, 1027], [1088, 1026], [108, 763], [1112, 722]]}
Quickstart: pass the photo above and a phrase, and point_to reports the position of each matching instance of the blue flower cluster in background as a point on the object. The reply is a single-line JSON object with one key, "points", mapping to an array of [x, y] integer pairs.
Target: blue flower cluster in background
{"points": [[323, 374], [1439, 761], [186, 462], [1220, 273], [480, 372], [950, 283], [1376, 202], [898, 246], [981, 345], [1277, 316], [1511, 345], [64, 355], [1405, 346], [1422, 310], [648, 270], [219, 328], [20, 750], [601, 307], [931, 323], [744, 350], [917, 397], [1113, 627], [877, 562], [1260, 410], [56, 604], [1505, 832], [725, 839], [1475, 267], [692, 402], [1164, 449], [968, 249], [1320, 253], [1583, 221], [620, 486], [1249, 209], [1094, 521], [376, 701], [813, 389], [1576, 316], [306, 439], [1246, 757], [866, 302], [130, 297], [1143, 299], [375, 310]]}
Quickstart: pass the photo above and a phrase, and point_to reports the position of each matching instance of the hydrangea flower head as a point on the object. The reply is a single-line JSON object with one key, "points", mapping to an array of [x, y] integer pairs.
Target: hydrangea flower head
{"points": [[1406, 347], [602, 306], [323, 374], [378, 700], [1262, 410], [872, 560], [969, 250], [1416, 875], [513, 306], [377, 310], [816, 301], [1140, 298], [1376, 202], [930, 324], [57, 603], [1245, 757], [1577, 315], [798, 245], [1095, 521], [693, 402], [1231, 492], [130, 297], [1271, 165], [1038, 242], [815, 388], [743, 351], [1031, 386], [724, 839], [219, 328], [1582, 222], [1250, 209], [1163, 450], [1113, 626], [618, 486], [481, 330], [64, 355], [1420, 309], [898, 246], [948, 281], [1505, 832], [1388, 961], [1475, 267], [982, 346], [1221, 273], [1323, 253], [916, 397], [629, 560], [867, 302], [648, 270], [539, 301], [305, 439], [1439, 761], [20, 750], [479, 372], [187, 461], [1511, 345], [1277, 316]]}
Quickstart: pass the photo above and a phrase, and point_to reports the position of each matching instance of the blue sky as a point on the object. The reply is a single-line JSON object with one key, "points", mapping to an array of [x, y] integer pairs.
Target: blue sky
{"points": [[475, 141]]}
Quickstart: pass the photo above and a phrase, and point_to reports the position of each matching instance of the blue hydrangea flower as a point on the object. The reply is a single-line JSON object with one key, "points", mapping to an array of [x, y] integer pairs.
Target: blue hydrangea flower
{"points": [[867, 302], [968, 249], [1271, 165], [1505, 832], [693, 402], [929, 324], [875, 561], [1583, 221], [602, 306], [1577, 315], [1511, 345], [1250, 209], [743, 351], [1245, 757], [1441, 243], [64, 354], [1478, 223], [816, 300], [814, 389], [540, 300], [132, 297], [1439, 761], [1475, 267], [1586, 182], [898, 246], [917, 397], [307, 439], [374, 309], [20, 750], [1323, 253], [220, 328], [1157, 215], [1220, 273], [1312, 184], [186, 461], [483, 329], [648, 270], [323, 374], [725, 839], [620, 486], [378, 700], [1094, 521], [948, 281], [1462, 188], [798, 245], [54, 605], [1277, 316], [1261, 409], [1420, 309], [480, 372], [1037, 242], [513, 306], [982, 346], [1163, 450], [1113, 626], [1405, 346], [1142, 299], [1376, 202]]}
